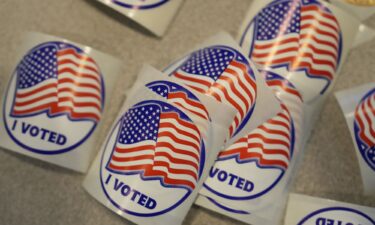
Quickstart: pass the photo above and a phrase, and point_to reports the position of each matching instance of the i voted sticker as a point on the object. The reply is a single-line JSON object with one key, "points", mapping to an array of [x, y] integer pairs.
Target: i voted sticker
{"points": [[255, 164], [225, 74], [56, 90], [140, 4], [337, 216], [364, 128], [153, 159], [302, 37]]}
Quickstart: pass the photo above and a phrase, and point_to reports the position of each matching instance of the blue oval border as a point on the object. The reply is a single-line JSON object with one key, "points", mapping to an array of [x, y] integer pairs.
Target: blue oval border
{"points": [[38, 151]]}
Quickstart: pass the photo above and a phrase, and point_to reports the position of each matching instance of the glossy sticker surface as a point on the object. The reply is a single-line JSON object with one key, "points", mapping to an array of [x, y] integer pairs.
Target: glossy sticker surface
{"points": [[56, 88], [224, 74], [301, 37], [153, 159], [364, 128]]}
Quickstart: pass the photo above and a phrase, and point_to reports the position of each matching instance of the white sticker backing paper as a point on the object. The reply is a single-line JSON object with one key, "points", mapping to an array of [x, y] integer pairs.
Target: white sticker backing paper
{"points": [[54, 101], [305, 210], [156, 156], [358, 106], [362, 9], [155, 15]]}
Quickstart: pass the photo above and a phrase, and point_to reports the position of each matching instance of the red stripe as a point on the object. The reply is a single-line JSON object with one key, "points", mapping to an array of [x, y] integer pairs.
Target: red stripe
{"points": [[135, 149], [37, 99], [79, 94], [180, 131], [321, 12], [149, 172], [170, 181], [78, 84], [269, 140], [194, 104], [71, 51], [267, 162], [81, 65], [319, 31], [40, 89], [182, 122], [278, 43], [273, 53], [196, 80], [320, 41], [79, 104], [314, 72], [321, 22], [176, 150], [177, 140], [284, 86], [79, 75], [275, 132], [131, 158], [176, 160], [266, 151]]}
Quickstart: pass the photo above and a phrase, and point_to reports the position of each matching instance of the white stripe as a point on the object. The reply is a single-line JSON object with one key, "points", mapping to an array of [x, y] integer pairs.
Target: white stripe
{"points": [[181, 166], [270, 156], [317, 16], [177, 155], [78, 61], [80, 109], [176, 134], [36, 95], [133, 163], [180, 126], [189, 107], [79, 89], [175, 176], [276, 46], [193, 83], [41, 84], [134, 154], [79, 80], [36, 104], [78, 98]]}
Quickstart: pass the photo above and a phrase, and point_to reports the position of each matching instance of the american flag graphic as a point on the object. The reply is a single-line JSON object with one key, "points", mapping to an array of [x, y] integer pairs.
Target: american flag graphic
{"points": [[271, 144], [158, 141], [223, 73], [184, 99], [364, 123], [302, 35], [58, 78]]}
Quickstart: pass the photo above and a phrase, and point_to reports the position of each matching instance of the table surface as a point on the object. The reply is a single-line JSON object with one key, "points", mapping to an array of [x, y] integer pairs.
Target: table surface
{"points": [[34, 192]]}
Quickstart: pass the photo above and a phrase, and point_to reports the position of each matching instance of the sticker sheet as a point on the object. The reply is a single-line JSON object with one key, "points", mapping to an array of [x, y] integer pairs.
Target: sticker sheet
{"points": [[299, 46], [154, 15], [156, 157], [254, 173], [358, 106], [219, 69], [305, 210], [55, 100], [304, 41]]}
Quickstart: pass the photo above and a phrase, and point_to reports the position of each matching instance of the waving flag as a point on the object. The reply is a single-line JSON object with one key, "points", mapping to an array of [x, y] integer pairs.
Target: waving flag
{"points": [[272, 144], [224, 74], [364, 122], [58, 78], [158, 142], [302, 35], [269, 144], [182, 97]]}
